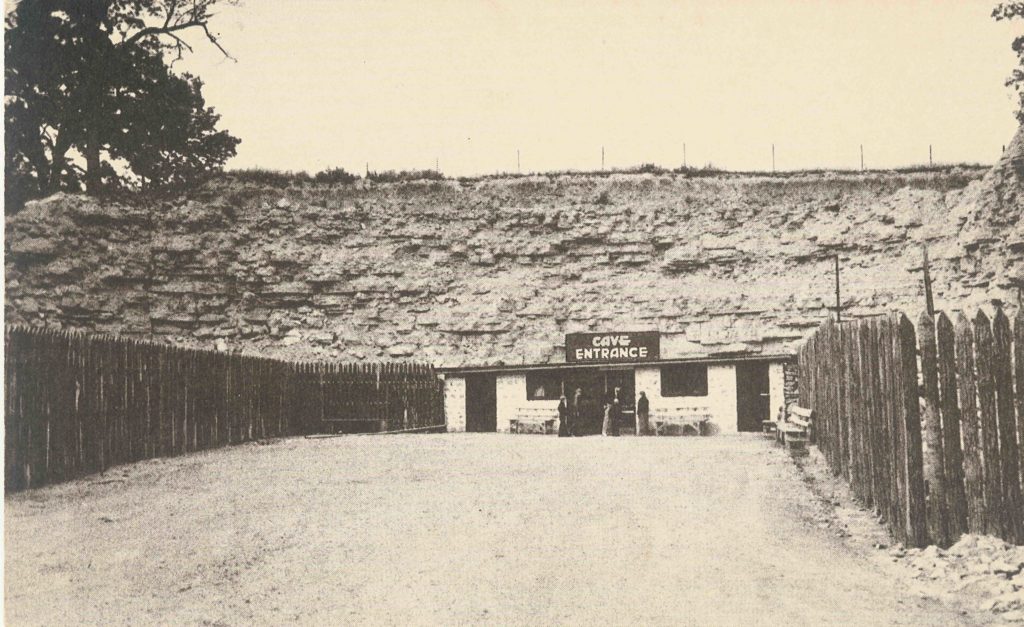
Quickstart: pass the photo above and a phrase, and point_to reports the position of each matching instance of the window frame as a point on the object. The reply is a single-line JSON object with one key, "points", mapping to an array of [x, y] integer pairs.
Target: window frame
{"points": [[693, 385], [545, 378]]}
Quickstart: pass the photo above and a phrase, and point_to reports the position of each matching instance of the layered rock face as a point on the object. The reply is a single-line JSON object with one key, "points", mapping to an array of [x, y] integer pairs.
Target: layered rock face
{"points": [[496, 271]]}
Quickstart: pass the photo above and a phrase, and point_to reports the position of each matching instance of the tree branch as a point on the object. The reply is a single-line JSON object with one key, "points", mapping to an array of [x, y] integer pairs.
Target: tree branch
{"points": [[162, 30], [214, 41], [179, 46], [196, 21], [170, 12]]}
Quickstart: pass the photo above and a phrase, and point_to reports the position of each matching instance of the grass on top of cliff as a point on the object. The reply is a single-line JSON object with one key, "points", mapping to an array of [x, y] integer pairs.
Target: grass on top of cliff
{"points": [[338, 176]]}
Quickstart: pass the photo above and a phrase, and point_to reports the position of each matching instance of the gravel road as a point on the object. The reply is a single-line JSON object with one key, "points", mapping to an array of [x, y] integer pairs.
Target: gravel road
{"points": [[447, 529]]}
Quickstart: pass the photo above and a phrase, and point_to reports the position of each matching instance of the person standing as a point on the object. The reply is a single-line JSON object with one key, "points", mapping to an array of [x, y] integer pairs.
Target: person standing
{"points": [[606, 424], [578, 414], [643, 415], [616, 413], [563, 418]]}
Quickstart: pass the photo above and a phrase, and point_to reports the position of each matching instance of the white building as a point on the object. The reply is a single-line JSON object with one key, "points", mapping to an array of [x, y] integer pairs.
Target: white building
{"points": [[729, 393]]}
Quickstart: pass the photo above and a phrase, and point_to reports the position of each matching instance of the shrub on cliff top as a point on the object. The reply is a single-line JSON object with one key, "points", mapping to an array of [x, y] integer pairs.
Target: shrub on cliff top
{"points": [[335, 176], [268, 178], [285, 178], [391, 176]]}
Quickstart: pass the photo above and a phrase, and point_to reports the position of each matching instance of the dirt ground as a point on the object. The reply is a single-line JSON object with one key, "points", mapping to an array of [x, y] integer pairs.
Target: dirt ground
{"points": [[451, 529]]}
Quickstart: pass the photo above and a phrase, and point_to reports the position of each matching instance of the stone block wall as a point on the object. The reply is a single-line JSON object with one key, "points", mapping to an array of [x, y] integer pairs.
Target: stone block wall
{"points": [[455, 403], [792, 382]]}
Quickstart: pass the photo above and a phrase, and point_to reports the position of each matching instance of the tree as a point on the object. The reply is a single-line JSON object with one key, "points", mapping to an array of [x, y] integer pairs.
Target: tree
{"points": [[1009, 11], [91, 100]]}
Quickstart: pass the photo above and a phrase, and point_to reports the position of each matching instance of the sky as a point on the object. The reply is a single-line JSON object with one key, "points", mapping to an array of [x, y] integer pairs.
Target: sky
{"points": [[465, 85]]}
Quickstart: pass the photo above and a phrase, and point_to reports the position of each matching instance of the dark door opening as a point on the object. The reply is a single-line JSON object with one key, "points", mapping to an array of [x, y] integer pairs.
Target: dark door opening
{"points": [[752, 402], [599, 386], [481, 402]]}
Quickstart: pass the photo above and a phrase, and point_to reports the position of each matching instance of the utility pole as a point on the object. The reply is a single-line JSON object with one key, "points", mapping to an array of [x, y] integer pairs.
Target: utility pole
{"points": [[684, 154], [602, 157], [773, 157], [839, 310], [367, 169], [929, 155], [519, 165], [437, 164], [929, 303], [862, 157]]}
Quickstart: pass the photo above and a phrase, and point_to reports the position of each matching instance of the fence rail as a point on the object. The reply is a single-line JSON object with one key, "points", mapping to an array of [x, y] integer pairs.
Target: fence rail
{"points": [[927, 425], [77, 404]]}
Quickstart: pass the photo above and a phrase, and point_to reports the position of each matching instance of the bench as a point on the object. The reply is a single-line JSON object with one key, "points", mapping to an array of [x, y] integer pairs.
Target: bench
{"points": [[796, 430], [534, 420], [681, 421]]}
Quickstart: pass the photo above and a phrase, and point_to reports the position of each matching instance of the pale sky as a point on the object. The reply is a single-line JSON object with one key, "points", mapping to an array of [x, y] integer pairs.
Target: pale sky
{"points": [[400, 83]]}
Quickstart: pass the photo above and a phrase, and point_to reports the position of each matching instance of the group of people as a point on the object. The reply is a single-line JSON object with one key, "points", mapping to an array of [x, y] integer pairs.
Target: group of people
{"points": [[586, 416]]}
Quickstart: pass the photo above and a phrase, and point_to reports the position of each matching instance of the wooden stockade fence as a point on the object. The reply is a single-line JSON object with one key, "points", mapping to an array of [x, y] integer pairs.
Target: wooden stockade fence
{"points": [[77, 404], [927, 425]]}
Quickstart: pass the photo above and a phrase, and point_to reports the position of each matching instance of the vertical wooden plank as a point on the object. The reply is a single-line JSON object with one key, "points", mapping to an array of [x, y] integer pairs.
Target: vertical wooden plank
{"points": [[864, 410], [845, 372], [956, 499], [57, 417], [917, 519], [868, 368], [893, 441], [855, 410], [864, 400], [1012, 512], [11, 394], [1018, 374], [967, 394], [933, 458], [984, 350]]}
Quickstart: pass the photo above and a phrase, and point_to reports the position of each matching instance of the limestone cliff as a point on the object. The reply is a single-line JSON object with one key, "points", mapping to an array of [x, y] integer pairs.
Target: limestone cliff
{"points": [[498, 270]]}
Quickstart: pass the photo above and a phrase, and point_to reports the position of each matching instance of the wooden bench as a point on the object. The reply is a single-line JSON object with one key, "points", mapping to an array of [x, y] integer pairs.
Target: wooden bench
{"points": [[796, 430], [681, 421], [534, 420], [770, 428]]}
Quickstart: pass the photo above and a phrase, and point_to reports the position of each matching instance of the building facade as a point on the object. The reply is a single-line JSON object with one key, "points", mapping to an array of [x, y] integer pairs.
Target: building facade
{"points": [[730, 393]]}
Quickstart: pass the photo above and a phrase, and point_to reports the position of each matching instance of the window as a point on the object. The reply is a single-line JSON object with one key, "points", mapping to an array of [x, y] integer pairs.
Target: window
{"points": [[684, 380], [543, 385]]}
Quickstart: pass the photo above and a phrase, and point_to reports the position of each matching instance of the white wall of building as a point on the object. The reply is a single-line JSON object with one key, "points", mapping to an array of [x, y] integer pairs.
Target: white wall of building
{"points": [[511, 396], [512, 399], [720, 402], [455, 402]]}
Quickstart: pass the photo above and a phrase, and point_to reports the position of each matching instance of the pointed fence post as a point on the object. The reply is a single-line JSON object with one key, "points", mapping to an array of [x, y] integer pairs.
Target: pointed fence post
{"points": [[916, 516], [956, 500], [985, 356], [934, 467], [1012, 514], [974, 470]]}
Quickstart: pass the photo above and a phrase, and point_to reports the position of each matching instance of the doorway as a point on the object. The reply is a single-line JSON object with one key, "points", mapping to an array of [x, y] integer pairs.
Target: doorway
{"points": [[481, 402], [752, 401], [599, 385]]}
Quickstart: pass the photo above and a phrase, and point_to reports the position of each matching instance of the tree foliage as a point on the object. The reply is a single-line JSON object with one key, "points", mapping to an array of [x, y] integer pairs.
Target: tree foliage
{"points": [[1009, 11], [91, 100]]}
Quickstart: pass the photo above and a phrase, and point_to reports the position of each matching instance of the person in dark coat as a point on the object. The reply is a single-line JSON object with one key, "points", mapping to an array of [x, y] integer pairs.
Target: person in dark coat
{"points": [[578, 414], [643, 415], [616, 414], [563, 418]]}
